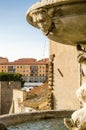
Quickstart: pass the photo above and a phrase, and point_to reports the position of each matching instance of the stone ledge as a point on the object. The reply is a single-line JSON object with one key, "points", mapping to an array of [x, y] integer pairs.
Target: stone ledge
{"points": [[14, 119]]}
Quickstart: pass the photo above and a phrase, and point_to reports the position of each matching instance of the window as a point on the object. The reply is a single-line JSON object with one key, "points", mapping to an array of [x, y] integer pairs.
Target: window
{"points": [[20, 66]]}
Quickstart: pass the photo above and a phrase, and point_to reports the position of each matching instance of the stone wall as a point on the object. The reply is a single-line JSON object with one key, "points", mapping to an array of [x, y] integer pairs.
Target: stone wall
{"points": [[18, 98], [6, 95], [66, 76]]}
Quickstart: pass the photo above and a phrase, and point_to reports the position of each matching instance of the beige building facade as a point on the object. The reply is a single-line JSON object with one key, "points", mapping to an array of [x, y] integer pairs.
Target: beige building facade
{"points": [[31, 69], [66, 76]]}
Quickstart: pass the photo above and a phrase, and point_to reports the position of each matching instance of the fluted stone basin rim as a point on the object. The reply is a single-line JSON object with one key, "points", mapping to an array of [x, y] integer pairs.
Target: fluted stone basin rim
{"points": [[65, 20]]}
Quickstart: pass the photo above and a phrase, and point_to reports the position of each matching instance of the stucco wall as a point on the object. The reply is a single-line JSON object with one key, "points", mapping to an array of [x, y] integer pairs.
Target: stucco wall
{"points": [[18, 97], [66, 76]]}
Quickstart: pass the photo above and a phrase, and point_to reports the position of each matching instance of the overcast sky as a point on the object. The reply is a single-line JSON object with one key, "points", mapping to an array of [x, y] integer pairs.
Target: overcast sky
{"points": [[18, 39]]}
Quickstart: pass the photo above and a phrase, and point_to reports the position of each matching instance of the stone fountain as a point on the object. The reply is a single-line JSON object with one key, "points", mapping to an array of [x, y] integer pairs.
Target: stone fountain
{"points": [[64, 21], [78, 118]]}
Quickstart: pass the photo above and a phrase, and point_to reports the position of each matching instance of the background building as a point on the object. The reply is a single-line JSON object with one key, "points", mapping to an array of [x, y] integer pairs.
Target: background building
{"points": [[31, 69], [3, 60]]}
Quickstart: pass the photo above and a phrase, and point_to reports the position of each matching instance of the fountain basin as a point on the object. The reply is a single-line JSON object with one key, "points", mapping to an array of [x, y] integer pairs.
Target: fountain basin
{"points": [[63, 21], [15, 119]]}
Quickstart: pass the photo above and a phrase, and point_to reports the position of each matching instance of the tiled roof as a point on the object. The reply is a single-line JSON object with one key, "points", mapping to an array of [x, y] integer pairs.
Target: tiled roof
{"points": [[26, 61], [37, 97]]}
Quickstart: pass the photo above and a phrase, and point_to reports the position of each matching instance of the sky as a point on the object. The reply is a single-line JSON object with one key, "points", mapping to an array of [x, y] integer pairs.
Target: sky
{"points": [[18, 39]]}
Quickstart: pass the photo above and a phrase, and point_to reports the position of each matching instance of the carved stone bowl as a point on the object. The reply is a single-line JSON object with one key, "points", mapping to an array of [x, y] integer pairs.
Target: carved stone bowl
{"points": [[62, 21]]}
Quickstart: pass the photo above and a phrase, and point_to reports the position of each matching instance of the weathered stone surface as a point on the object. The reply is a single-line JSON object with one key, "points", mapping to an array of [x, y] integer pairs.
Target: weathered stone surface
{"points": [[14, 119], [63, 21], [78, 118]]}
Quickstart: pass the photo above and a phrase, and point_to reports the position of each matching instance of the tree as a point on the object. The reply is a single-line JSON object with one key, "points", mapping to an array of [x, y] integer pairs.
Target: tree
{"points": [[11, 77]]}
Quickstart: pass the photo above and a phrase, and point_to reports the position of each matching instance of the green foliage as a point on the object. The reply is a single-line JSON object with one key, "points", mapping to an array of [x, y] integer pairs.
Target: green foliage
{"points": [[11, 77]]}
